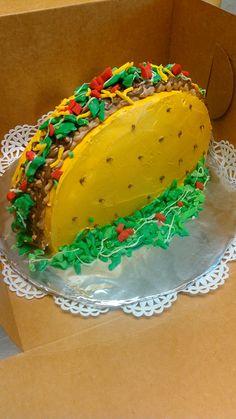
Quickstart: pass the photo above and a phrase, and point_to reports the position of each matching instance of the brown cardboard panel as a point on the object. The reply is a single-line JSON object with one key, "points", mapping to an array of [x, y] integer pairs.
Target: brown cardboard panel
{"points": [[36, 322], [219, 100], [48, 53], [178, 365], [7, 317], [22, 6], [195, 33]]}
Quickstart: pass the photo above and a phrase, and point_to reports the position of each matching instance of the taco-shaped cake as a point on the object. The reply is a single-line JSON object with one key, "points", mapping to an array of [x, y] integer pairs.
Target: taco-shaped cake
{"points": [[108, 152]]}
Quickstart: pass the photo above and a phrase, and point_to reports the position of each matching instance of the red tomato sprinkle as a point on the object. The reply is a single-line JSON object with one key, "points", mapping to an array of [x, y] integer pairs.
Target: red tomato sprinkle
{"points": [[120, 228], [199, 185], [94, 84], [180, 204], [30, 155], [23, 186], [56, 174], [51, 130], [146, 71], [11, 195], [77, 108], [114, 88], [123, 236], [95, 93], [160, 217], [72, 104], [106, 74], [100, 80], [186, 73], [176, 69]]}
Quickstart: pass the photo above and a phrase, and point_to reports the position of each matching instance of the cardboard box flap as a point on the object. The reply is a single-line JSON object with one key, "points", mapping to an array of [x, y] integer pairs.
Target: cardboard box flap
{"points": [[48, 53], [203, 36], [219, 100]]}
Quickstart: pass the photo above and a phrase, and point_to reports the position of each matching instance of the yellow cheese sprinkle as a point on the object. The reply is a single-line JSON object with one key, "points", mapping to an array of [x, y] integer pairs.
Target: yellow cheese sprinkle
{"points": [[88, 92], [43, 132], [123, 67], [84, 115], [159, 69], [64, 101], [129, 89], [37, 137], [60, 152], [60, 108], [196, 86], [56, 114], [106, 93], [19, 174], [40, 147], [124, 97], [162, 74], [71, 97], [62, 104], [168, 72]]}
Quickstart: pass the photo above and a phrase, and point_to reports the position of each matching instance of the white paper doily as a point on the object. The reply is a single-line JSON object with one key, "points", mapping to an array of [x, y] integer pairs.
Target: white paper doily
{"points": [[13, 145]]}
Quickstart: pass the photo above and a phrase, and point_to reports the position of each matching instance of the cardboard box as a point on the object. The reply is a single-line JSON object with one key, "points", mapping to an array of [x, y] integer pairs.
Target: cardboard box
{"points": [[178, 365], [71, 44]]}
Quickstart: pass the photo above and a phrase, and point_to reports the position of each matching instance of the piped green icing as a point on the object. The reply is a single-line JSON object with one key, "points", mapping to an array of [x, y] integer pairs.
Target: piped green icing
{"points": [[113, 80], [62, 130], [21, 208], [34, 165], [102, 243], [94, 107], [82, 90]]}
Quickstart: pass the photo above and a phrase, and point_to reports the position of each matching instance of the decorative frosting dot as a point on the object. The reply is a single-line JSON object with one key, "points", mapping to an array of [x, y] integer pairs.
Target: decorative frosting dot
{"points": [[82, 180], [109, 159], [162, 178], [161, 139], [130, 186], [140, 157], [180, 133], [190, 106], [168, 109], [195, 147], [133, 126]]}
